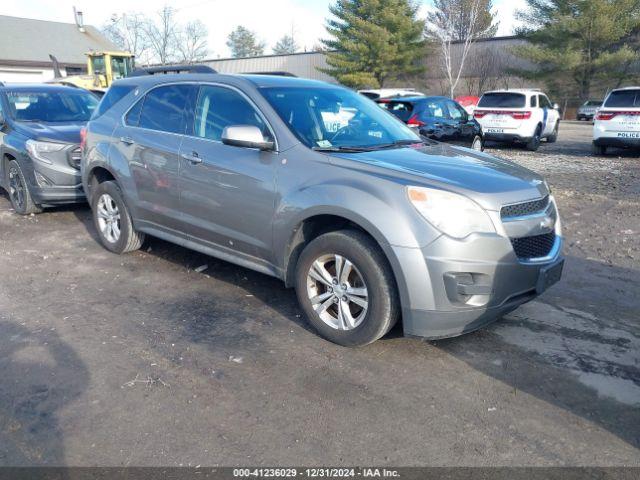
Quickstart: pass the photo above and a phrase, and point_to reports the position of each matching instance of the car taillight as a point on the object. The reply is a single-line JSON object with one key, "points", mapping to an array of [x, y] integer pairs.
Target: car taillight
{"points": [[609, 115], [83, 138], [518, 115], [415, 122], [521, 115]]}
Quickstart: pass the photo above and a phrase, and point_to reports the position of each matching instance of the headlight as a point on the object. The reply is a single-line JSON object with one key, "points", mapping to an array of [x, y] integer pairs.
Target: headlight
{"points": [[40, 150], [452, 214]]}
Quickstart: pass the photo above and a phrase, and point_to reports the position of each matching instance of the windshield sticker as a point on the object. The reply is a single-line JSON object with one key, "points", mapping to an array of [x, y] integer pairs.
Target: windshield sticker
{"points": [[324, 143]]}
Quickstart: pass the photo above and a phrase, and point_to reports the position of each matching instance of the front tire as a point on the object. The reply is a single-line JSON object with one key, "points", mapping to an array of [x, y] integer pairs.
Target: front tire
{"points": [[346, 288], [553, 138], [478, 143], [19, 194], [112, 220]]}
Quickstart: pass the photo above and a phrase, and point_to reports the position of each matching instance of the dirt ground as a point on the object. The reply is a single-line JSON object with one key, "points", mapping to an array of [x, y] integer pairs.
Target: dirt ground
{"points": [[142, 360]]}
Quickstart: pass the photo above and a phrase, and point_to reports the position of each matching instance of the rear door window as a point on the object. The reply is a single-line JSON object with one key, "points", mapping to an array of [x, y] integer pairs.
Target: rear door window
{"points": [[112, 97], [164, 108], [436, 109], [503, 100], [624, 99]]}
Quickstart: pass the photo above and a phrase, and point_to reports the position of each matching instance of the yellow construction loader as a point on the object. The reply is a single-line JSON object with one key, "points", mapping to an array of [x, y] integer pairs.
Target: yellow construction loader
{"points": [[103, 68]]}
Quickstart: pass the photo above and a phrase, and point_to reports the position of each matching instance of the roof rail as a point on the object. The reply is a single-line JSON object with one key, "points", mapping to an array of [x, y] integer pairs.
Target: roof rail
{"points": [[278, 74], [165, 69]]}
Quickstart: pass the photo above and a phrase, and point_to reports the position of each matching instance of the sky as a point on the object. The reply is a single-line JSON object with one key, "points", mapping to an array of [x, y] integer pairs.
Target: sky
{"points": [[270, 19]]}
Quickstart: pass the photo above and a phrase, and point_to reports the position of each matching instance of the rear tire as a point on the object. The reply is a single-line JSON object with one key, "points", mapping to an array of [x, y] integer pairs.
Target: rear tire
{"points": [[351, 304], [599, 150], [18, 188], [112, 219], [553, 138], [534, 144]]}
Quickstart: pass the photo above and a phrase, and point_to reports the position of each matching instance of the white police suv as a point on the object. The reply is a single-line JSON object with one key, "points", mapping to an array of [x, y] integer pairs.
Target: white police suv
{"points": [[617, 123], [523, 116]]}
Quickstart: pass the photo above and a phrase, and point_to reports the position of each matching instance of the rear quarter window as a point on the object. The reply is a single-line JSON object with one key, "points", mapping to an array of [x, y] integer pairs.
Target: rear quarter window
{"points": [[111, 98], [502, 100], [624, 99], [402, 110]]}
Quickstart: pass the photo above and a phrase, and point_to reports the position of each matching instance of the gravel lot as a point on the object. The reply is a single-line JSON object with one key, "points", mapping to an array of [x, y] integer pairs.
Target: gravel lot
{"points": [[141, 360]]}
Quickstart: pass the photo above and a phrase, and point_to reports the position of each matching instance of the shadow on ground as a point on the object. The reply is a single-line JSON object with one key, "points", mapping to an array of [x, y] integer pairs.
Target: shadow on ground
{"points": [[41, 374]]}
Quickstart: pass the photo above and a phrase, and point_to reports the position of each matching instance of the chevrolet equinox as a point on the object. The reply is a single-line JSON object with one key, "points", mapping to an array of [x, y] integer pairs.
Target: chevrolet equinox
{"points": [[317, 185]]}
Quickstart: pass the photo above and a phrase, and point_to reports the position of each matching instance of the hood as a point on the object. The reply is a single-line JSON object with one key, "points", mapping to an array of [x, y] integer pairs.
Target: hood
{"points": [[52, 132], [490, 181]]}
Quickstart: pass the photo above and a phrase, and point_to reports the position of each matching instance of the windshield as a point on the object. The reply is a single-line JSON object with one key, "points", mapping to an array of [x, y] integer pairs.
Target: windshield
{"points": [[502, 100], [120, 67], [334, 118], [52, 106], [624, 99], [593, 103]]}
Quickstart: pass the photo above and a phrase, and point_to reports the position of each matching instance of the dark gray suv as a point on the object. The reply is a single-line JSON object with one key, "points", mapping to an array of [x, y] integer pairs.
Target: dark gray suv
{"points": [[316, 185]]}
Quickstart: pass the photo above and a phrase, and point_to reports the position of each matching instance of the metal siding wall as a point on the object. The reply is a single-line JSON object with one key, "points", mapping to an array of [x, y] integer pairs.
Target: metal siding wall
{"points": [[302, 65]]}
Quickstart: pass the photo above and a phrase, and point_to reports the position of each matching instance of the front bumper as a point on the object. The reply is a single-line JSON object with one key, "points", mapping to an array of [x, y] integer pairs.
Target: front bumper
{"points": [[54, 184], [455, 287]]}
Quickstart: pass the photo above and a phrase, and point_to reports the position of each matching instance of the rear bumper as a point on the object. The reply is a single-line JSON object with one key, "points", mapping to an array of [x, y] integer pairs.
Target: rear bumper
{"points": [[507, 137], [617, 142]]}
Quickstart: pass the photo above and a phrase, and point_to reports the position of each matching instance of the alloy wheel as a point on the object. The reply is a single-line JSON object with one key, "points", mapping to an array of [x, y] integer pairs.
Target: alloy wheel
{"points": [[337, 292], [16, 188], [108, 218]]}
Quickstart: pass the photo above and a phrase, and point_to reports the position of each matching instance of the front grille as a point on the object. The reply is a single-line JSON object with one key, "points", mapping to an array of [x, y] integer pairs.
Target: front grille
{"points": [[75, 157], [527, 208], [534, 247]]}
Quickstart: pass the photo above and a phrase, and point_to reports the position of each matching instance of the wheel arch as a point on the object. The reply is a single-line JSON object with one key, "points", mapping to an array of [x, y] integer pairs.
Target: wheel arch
{"points": [[317, 223], [96, 175]]}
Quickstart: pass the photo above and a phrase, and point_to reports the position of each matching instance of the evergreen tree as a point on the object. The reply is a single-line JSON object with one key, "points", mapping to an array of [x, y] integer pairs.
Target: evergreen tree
{"points": [[574, 43], [243, 43], [286, 44], [456, 17], [373, 41]]}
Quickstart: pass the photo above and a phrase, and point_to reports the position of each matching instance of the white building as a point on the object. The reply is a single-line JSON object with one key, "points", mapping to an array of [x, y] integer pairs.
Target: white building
{"points": [[25, 46]]}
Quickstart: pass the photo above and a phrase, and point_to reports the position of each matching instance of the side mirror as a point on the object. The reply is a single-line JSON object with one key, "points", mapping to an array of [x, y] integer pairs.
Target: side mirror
{"points": [[556, 106], [247, 136]]}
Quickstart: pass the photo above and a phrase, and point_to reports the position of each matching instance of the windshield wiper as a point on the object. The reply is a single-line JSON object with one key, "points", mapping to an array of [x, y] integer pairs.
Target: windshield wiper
{"points": [[341, 149]]}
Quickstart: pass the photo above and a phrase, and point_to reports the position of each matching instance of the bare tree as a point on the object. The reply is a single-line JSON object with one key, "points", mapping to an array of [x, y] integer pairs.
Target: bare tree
{"points": [[162, 35], [443, 28], [192, 42], [128, 33]]}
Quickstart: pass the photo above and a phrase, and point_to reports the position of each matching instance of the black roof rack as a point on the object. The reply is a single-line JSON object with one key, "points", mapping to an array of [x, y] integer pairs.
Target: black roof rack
{"points": [[279, 74], [166, 69]]}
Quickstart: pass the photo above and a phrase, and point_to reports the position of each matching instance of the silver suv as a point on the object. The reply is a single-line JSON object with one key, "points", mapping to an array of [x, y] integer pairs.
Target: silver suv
{"points": [[318, 186]]}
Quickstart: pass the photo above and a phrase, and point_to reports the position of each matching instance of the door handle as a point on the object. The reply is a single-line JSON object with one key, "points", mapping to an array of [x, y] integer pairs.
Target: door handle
{"points": [[192, 157], [127, 140]]}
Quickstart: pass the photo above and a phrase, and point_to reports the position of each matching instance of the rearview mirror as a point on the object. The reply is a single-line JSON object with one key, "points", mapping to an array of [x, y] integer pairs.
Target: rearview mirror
{"points": [[247, 136]]}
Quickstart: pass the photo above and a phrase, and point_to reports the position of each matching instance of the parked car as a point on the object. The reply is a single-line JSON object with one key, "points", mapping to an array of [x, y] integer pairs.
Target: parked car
{"points": [[389, 93], [368, 223], [438, 118], [518, 116], [588, 110], [617, 123], [40, 144], [468, 102]]}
